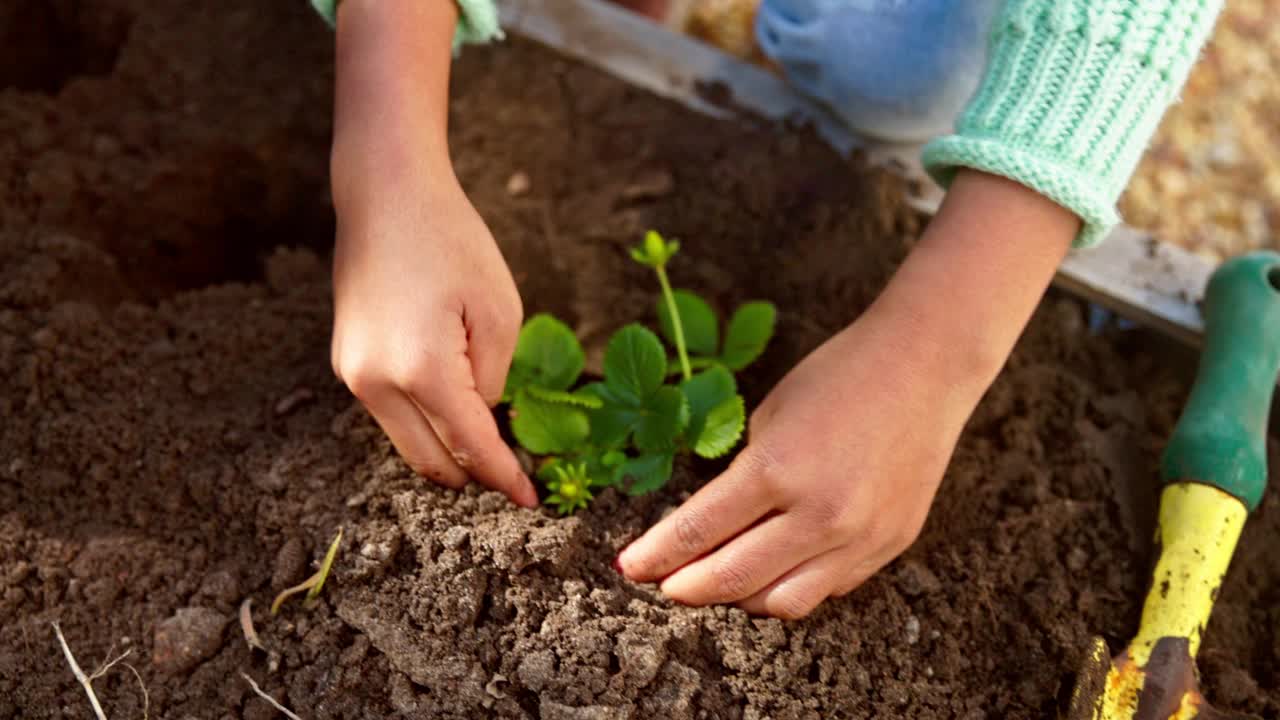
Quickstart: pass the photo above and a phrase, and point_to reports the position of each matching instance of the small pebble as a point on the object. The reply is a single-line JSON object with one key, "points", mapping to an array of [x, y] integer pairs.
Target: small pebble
{"points": [[913, 630], [1077, 558], [916, 579], [518, 184]]}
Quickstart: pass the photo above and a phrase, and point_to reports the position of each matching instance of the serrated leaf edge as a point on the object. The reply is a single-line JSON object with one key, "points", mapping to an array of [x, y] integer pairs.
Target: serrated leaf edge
{"points": [[717, 451]]}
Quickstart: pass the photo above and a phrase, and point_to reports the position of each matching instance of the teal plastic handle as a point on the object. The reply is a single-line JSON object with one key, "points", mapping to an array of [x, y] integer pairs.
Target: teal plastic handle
{"points": [[1221, 438]]}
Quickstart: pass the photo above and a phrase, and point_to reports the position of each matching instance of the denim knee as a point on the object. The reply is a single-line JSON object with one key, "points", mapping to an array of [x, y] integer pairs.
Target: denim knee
{"points": [[898, 70]]}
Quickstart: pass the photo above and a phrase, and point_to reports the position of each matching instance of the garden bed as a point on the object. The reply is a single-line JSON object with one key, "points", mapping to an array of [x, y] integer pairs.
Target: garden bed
{"points": [[173, 439]]}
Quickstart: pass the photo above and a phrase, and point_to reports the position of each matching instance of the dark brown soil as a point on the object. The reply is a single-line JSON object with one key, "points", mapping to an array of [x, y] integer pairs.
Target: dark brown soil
{"points": [[173, 440]]}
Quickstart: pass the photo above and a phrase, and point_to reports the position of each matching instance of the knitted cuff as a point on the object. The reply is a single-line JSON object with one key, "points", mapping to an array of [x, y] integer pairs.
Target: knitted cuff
{"points": [[1073, 92], [477, 20]]}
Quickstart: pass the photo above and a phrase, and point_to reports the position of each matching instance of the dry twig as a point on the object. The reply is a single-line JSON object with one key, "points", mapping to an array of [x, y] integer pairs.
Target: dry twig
{"points": [[108, 665], [288, 713], [146, 697], [83, 679], [87, 680], [246, 626]]}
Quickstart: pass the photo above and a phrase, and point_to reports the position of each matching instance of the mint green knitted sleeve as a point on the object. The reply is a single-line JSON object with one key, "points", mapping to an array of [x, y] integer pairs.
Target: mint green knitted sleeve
{"points": [[1073, 93], [477, 20]]}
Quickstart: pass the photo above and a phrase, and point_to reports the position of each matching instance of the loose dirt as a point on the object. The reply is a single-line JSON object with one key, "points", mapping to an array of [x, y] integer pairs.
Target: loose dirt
{"points": [[173, 439]]}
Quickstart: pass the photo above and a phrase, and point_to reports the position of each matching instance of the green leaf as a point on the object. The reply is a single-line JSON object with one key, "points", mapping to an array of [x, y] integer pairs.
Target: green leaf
{"points": [[701, 326], [547, 354], [545, 428], [749, 331], [578, 399], [601, 466], [662, 419], [325, 566], [646, 473], [706, 391], [724, 428], [613, 421], [611, 425], [634, 365]]}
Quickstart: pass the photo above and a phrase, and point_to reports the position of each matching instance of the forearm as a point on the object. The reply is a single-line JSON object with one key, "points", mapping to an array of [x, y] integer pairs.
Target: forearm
{"points": [[391, 96], [967, 290]]}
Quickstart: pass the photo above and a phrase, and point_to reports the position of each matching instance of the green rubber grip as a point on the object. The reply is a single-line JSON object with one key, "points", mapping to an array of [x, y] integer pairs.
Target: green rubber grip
{"points": [[1221, 438]]}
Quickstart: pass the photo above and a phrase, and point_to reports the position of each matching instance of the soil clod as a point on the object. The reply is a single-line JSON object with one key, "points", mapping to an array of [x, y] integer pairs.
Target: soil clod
{"points": [[191, 636]]}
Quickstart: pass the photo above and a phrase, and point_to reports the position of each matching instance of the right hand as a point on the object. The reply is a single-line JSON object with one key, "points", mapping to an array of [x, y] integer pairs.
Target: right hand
{"points": [[426, 316]]}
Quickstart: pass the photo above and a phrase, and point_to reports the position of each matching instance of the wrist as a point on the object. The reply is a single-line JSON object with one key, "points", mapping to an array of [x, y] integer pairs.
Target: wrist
{"points": [[371, 169], [964, 295]]}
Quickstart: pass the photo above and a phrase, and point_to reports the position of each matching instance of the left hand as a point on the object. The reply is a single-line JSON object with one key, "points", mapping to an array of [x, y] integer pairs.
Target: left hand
{"points": [[845, 455], [844, 458]]}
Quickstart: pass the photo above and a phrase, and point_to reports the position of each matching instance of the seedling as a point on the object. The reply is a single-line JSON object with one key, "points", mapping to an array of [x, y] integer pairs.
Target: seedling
{"points": [[570, 486], [627, 428], [314, 583]]}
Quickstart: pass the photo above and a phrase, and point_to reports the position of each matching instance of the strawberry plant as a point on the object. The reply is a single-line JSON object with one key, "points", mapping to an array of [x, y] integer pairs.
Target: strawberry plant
{"points": [[626, 428]]}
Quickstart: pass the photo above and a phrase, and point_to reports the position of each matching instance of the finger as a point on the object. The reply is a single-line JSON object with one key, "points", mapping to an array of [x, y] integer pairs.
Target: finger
{"points": [[412, 436], [723, 508], [465, 426], [748, 563], [491, 341], [797, 593]]}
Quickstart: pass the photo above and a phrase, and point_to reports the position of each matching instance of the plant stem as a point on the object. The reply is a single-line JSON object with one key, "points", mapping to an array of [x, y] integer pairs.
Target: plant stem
{"points": [[676, 324]]}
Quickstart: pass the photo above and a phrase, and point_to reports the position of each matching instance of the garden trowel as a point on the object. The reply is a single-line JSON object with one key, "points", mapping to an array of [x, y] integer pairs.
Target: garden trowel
{"points": [[1215, 471]]}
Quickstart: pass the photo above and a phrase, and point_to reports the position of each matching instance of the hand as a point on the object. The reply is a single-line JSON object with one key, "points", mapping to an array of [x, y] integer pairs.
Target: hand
{"points": [[425, 310], [845, 455], [426, 316], [843, 461]]}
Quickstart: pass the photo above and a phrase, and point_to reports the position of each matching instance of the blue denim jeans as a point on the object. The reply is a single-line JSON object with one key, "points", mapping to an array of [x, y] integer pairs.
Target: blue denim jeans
{"points": [[897, 70]]}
